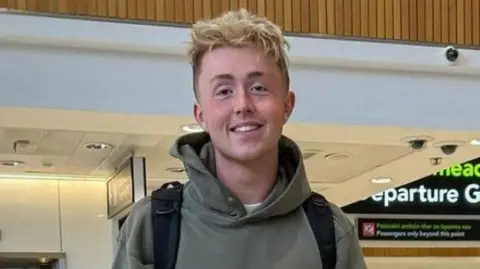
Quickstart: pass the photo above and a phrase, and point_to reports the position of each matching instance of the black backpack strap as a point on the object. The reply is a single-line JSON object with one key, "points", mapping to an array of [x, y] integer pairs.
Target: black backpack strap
{"points": [[320, 216], [166, 217]]}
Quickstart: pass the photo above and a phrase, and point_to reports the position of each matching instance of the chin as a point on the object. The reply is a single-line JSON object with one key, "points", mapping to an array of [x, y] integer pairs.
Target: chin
{"points": [[245, 157], [247, 154]]}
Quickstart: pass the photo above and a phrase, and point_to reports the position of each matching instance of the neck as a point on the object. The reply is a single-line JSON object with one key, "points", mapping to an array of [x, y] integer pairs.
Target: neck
{"points": [[250, 182]]}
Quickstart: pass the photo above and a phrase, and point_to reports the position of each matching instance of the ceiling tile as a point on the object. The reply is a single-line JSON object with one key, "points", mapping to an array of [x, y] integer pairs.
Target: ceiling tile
{"points": [[11, 135], [60, 143]]}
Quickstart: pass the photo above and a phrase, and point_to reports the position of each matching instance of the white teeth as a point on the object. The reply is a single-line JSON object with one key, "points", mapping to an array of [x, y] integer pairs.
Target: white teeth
{"points": [[246, 128]]}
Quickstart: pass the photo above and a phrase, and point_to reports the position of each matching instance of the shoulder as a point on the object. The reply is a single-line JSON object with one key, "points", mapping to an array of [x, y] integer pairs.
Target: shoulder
{"points": [[344, 227], [141, 209], [138, 219], [135, 237], [139, 222]]}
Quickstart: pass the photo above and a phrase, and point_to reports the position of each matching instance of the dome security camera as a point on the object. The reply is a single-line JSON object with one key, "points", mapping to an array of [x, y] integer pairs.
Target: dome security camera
{"points": [[449, 149], [451, 54], [417, 144]]}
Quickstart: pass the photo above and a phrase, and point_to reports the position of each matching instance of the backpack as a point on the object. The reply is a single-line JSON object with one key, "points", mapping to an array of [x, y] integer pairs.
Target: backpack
{"points": [[166, 217]]}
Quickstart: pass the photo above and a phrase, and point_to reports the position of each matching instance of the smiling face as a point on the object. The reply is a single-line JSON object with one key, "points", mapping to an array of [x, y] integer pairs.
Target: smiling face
{"points": [[243, 102]]}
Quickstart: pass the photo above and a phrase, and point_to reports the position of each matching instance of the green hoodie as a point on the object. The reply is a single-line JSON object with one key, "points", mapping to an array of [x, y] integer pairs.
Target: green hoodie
{"points": [[218, 233]]}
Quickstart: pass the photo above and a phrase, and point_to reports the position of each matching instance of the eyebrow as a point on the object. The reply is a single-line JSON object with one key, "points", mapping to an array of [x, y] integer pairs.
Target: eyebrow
{"points": [[254, 74]]}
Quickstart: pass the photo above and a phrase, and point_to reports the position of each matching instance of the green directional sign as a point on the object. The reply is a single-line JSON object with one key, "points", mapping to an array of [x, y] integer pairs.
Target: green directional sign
{"points": [[451, 191], [465, 171]]}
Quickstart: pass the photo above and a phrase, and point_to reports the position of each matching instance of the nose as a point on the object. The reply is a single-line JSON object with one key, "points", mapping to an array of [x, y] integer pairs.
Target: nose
{"points": [[243, 103]]}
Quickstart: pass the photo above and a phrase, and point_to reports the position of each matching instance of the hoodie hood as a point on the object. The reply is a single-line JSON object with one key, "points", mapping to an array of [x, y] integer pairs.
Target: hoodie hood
{"points": [[210, 199]]}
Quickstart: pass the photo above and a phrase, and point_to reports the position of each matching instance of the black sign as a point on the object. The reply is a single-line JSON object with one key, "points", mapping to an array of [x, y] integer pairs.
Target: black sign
{"points": [[418, 229], [452, 191], [120, 190]]}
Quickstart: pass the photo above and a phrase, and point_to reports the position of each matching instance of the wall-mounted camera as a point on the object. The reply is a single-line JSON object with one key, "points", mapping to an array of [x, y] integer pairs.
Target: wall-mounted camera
{"points": [[451, 54], [417, 142]]}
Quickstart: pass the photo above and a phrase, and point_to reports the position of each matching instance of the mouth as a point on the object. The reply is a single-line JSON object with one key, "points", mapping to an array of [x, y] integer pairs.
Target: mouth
{"points": [[246, 127]]}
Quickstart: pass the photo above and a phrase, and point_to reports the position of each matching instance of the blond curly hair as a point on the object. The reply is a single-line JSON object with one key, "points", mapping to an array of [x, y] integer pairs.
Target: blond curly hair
{"points": [[237, 29]]}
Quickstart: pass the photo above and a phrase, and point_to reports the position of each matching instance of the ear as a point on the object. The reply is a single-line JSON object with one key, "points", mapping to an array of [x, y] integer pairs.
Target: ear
{"points": [[198, 114], [289, 105]]}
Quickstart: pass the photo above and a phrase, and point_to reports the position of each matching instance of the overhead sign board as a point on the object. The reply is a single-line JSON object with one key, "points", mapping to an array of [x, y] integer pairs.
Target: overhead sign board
{"points": [[418, 229], [452, 191]]}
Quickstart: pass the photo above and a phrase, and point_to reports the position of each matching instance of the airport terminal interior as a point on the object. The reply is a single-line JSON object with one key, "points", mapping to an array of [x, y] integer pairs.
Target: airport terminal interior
{"points": [[90, 107]]}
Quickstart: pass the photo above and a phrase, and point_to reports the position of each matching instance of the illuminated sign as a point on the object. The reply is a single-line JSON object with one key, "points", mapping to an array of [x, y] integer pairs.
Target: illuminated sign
{"points": [[466, 170], [451, 191], [418, 229], [422, 194]]}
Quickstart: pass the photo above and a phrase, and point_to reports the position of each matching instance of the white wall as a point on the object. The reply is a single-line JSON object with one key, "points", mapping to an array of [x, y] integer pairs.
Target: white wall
{"points": [[133, 69], [57, 216]]}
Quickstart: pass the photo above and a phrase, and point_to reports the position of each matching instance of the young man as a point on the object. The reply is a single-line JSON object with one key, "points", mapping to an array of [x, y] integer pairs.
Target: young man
{"points": [[243, 205]]}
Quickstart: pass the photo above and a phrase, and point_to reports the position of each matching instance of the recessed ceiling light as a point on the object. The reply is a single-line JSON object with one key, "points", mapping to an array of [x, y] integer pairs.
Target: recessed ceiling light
{"points": [[97, 146], [10, 163], [337, 156], [475, 142], [192, 128], [381, 180], [175, 169]]}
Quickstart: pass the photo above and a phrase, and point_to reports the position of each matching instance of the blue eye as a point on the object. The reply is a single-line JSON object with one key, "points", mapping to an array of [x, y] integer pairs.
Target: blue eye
{"points": [[259, 88], [224, 91]]}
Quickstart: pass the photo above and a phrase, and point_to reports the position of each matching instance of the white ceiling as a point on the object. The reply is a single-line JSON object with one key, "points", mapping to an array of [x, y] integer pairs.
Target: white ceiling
{"points": [[57, 138], [64, 152]]}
